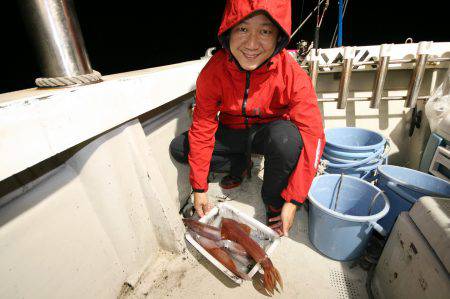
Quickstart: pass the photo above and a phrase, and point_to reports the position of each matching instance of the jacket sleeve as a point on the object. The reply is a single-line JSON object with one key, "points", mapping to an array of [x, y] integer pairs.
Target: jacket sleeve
{"points": [[202, 131], [305, 114]]}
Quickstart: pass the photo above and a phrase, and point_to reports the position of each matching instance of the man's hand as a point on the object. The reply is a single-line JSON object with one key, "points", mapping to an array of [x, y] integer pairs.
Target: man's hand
{"points": [[285, 220], [201, 204]]}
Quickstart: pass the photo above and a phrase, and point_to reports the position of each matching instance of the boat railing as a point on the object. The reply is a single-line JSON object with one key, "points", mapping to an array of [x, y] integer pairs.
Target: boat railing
{"points": [[416, 59]]}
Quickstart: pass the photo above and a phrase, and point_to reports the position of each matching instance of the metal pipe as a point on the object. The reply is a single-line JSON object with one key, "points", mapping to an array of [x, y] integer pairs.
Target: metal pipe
{"points": [[54, 27], [340, 17], [438, 59], [314, 66], [393, 61], [392, 98], [397, 61], [417, 74], [349, 54], [380, 77]]}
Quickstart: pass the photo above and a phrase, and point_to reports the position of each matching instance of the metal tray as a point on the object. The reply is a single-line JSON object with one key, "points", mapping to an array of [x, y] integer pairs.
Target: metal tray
{"points": [[265, 236]]}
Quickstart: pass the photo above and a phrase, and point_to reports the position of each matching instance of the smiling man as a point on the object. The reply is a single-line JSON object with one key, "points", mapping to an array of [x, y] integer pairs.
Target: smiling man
{"points": [[253, 40], [253, 97]]}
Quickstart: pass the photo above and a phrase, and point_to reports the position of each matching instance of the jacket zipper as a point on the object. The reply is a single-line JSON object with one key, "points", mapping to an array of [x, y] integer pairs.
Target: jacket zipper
{"points": [[244, 102]]}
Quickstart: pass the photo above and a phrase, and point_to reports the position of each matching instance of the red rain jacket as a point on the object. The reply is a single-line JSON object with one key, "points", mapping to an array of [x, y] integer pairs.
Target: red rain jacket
{"points": [[279, 89]]}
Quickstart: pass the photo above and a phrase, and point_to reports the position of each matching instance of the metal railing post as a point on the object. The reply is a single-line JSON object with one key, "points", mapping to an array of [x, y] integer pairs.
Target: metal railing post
{"points": [[417, 74], [380, 77], [54, 27], [349, 54]]}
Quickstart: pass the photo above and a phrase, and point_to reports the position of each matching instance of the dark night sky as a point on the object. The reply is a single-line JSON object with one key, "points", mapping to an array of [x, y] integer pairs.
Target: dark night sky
{"points": [[129, 35]]}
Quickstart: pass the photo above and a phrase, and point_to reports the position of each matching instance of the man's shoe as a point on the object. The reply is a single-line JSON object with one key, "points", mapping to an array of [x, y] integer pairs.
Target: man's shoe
{"points": [[230, 182]]}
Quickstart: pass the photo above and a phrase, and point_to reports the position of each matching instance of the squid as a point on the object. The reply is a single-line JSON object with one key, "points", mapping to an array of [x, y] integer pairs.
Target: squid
{"points": [[231, 230], [213, 233], [234, 237], [219, 254]]}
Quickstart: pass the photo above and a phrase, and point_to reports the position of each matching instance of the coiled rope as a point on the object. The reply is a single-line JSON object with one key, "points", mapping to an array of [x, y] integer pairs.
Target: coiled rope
{"points": [[71, 80]]}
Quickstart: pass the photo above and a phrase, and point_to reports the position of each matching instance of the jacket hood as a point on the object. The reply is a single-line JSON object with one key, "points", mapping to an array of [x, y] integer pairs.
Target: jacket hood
{"points": [[279, 11]]}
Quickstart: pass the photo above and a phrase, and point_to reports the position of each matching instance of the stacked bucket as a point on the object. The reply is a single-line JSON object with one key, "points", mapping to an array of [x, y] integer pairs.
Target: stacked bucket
{"points": [[346, 207], [343, 213], [354, 151]]}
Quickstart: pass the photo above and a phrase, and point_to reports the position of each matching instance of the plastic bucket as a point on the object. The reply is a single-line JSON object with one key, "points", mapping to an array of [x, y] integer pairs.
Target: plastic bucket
{"points": [[351, 155], [404, 186], [342, 232], [350, 139], [355, 161], [354, 151]]}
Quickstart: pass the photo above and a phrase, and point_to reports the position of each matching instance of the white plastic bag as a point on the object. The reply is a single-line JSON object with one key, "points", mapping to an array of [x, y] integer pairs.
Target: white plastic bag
{"points": [[438, 105]]}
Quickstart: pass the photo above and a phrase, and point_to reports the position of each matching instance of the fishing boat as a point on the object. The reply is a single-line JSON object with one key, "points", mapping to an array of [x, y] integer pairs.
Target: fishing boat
{"points": [[91, 202]]}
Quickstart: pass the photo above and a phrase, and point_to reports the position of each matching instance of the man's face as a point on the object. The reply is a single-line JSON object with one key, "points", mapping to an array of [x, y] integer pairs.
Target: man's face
{"points": [[253, 41]]}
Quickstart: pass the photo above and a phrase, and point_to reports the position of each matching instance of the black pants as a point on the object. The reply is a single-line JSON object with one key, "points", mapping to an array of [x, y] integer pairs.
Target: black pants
{"points": [[279, 141]]}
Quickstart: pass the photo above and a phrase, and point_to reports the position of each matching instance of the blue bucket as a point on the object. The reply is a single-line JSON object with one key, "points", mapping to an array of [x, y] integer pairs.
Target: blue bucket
{"points": [[354, 151], [340, 230], [404, 186], [350, 139], [350, 155]]}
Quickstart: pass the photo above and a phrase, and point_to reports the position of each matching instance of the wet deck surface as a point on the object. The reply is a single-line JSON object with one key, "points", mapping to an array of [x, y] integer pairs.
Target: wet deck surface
{"points": [[306, 273]]}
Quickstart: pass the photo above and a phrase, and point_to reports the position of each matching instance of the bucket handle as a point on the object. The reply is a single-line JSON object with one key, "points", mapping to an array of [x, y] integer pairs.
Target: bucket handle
{"points": [[387, 149], [372, 203], [339, 190], [374, 224], [394, 187], [378, 228], [357, 163]]}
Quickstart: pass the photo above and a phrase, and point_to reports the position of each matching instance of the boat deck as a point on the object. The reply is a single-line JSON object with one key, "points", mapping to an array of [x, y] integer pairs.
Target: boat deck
{"points": [[306, 273]]}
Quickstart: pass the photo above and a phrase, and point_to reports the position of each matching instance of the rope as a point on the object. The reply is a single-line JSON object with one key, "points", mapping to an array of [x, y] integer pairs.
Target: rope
{"points": [[208, 53], [322, 167], [67, 81]]}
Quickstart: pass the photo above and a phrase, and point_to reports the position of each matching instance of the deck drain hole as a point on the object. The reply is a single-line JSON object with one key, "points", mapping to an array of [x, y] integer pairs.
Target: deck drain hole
{"points": [[345, 287]]}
